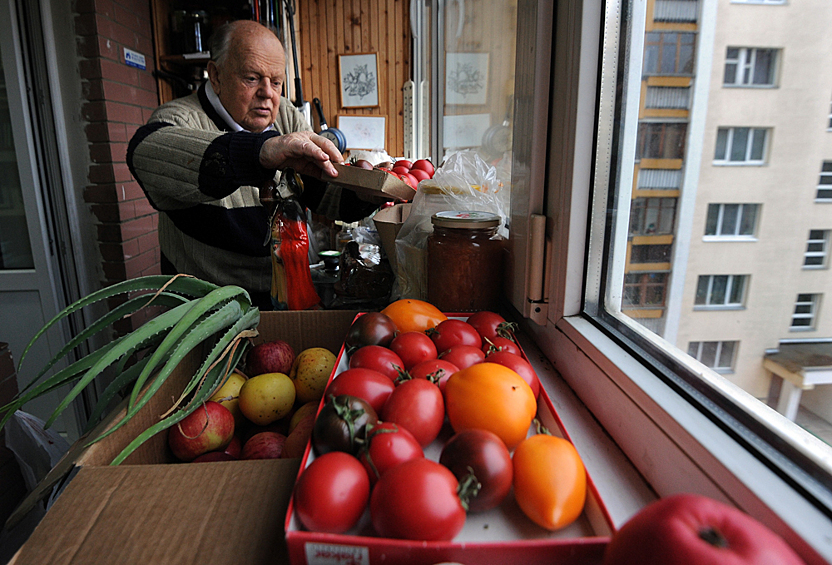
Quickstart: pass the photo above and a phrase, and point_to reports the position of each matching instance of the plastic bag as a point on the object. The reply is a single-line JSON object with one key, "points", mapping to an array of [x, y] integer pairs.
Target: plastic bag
{"points": [[464, 182]]}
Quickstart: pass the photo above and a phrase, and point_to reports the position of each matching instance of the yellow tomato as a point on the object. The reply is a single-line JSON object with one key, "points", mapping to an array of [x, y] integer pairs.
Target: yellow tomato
{"points": [[411, 315], [491, 397], [549, 481]]}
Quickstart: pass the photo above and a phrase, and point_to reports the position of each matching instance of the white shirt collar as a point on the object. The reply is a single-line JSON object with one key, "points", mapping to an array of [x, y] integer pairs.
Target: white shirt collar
{"points": [[215, 102]]}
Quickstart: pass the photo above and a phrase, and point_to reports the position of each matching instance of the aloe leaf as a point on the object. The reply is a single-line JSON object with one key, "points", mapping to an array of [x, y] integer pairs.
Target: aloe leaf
{"points": [[216, 374], [215, 322], [152, 327], [125, 309], [185, 285], [212, 300]]}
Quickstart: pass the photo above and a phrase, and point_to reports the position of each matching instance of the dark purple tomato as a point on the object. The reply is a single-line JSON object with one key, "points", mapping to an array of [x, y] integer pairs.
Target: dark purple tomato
{"points": [[341, 424], [372, 328], [483, 453]]}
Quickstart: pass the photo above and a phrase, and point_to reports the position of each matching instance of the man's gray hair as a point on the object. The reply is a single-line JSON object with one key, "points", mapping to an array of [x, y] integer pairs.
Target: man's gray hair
{"points": [[221, 41]]}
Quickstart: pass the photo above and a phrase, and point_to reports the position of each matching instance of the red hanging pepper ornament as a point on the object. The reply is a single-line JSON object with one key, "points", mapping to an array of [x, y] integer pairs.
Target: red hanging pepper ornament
{"points": [[292, 287]]}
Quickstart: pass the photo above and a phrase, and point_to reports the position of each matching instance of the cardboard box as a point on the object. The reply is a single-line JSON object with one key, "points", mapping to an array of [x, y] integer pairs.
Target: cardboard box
{"points": [[372, 182], [388, 222], [496, 537], [149, 510]]}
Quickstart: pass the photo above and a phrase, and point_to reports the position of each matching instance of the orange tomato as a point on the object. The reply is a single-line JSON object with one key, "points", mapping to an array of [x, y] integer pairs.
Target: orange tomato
{"points": [[549, 481], [491, 397], [411, 315]]}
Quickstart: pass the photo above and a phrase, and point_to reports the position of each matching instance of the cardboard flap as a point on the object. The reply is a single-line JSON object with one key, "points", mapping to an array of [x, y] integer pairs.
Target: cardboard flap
{"points": [[375, 183], [102, 515]]}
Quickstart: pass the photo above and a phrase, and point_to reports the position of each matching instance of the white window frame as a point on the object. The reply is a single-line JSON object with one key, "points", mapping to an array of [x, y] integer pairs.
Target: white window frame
{"points": [[725, 159], [733, 280], [720, 345], [671, 443], [824, 182], [769, 2], [823, 241], [719, 235], [808, 303], [746, 64]]}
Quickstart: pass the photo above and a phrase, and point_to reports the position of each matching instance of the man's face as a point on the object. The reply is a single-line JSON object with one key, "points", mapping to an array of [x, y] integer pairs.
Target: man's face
{"points": [[250, 81]]}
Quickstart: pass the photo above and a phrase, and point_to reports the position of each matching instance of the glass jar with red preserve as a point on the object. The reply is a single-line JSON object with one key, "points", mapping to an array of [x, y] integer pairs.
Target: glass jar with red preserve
{"points": [[465, 258]]}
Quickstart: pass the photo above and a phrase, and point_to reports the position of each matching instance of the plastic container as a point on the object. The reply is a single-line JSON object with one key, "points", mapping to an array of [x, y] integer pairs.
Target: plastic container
{"points": [[465, 259]]}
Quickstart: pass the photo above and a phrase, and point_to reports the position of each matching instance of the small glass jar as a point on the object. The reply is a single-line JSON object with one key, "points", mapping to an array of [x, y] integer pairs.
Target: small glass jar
{"points": [[465, 258]]}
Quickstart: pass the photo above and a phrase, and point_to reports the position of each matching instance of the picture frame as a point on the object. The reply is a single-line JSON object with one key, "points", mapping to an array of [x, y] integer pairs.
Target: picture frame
{"points": [[466, 79], [358, 80], [466, 130], [364, 132]]}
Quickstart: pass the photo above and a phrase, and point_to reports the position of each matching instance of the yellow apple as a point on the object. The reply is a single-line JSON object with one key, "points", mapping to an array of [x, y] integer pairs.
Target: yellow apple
{"points": [[310, 373], [267, 398], [228, 394]]}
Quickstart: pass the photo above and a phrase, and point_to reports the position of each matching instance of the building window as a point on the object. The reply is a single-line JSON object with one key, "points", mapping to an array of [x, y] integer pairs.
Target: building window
{"points": [[675, 10], [668, 53], [667, 98], [731, 220], [645, 289], [661, 140], [650, 254], [804, 312], [718, 355], [716, 291], [741, 145], [825, 182], [659, 179], [816, 249], [746, 66], [650, 216]]}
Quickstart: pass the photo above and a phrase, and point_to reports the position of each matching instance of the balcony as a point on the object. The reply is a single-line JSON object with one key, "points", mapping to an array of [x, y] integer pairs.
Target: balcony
{"points": [[676, 11]]}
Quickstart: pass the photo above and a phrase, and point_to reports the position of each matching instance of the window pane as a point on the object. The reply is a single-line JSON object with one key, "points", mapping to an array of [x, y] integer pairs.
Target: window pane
{"points": [[726, 354], [749, 219], [737, 287], [719, 287], [763, 67], [721, 144], [729, 219], [739, 144], [758, 145], [702, 289], [713, 217]]}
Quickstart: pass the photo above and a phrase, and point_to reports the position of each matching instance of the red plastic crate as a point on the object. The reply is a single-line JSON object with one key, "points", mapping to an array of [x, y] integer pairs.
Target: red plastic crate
{"points": [[496, 537]]}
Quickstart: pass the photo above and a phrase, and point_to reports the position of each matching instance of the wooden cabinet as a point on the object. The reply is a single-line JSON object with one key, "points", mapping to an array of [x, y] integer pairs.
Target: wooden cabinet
{"points": [[325, 29]]}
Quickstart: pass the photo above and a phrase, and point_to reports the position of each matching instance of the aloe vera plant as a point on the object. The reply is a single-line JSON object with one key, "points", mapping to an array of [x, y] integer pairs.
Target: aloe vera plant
{"points": [[199, 314]]}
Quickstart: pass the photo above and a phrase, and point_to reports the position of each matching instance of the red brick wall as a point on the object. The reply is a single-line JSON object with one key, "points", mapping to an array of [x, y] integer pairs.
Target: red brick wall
{"points": [[118, 99]]}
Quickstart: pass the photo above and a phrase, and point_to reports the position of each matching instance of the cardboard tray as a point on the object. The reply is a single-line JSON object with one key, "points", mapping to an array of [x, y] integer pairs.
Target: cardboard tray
{"points": [[374, 183], [151, 511], [496, 537]]}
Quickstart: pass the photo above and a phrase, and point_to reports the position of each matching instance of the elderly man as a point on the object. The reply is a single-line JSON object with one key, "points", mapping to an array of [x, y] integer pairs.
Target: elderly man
{"points": [[202, 161]]}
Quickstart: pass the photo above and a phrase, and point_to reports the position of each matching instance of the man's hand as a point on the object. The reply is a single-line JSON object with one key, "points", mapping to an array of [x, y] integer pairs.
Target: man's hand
{"points": [[305, 151]]}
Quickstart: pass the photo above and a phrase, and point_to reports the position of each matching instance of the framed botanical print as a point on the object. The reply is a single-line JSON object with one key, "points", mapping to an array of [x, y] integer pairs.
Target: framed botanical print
{"points": [[358, 75]]}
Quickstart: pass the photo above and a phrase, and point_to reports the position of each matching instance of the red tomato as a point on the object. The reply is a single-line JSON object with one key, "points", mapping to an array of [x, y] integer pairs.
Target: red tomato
{"points": [[419, 174], [549, 481], [436, 370], [332, 493], [378, 358], [491, 325], [484, 454], [410, 180], [424, 165], [518, 365], [495, 344], [454, 332], [367, 384], [490, 397], [463, 356], [399, 170], [413, 348], [410, 314], [404, 163], [373, 328], [387, 445], [417, 500], [416, 405]]}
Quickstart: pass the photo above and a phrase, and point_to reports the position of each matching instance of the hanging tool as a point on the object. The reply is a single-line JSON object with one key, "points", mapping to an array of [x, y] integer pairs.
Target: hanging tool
{"points": [[304, 107], [335, 135]]}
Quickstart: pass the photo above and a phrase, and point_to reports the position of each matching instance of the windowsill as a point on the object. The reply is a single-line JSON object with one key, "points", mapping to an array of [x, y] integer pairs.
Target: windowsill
{"points": [[801, 329], [729, 238], [676, 448], [718, 308], [815, 267], [752, 86], [738, 163]]}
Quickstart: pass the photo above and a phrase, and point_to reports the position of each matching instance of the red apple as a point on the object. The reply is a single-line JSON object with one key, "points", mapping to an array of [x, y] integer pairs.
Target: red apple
{"points": [[265, 445], [208, 428], [234, 447], [213, 456], [274, 356], [688, 529], [423, 165], [298, 438]]}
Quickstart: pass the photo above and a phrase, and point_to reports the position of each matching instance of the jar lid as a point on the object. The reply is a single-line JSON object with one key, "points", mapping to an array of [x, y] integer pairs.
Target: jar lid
{"points": [[465, 220]]}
